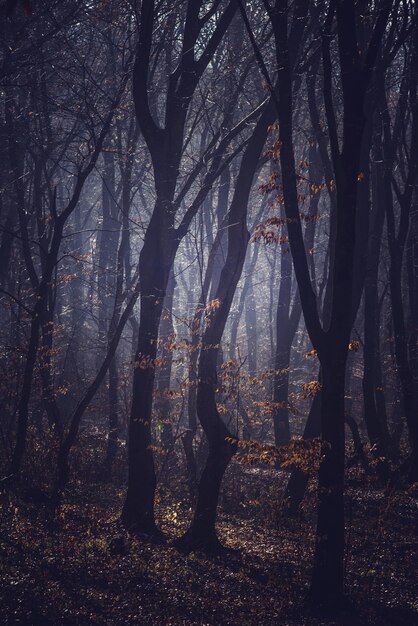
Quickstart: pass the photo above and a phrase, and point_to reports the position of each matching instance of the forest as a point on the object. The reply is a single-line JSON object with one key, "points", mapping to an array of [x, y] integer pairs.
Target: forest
{"points": [[209, 312]]}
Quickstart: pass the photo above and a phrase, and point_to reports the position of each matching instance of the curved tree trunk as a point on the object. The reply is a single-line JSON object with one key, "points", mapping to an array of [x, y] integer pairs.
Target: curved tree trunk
{"points": [[202, 532]]}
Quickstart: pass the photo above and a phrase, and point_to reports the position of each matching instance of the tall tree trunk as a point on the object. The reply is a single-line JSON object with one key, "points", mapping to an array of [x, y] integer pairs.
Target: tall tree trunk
{"points": [[154, 266], [397, 241], [376, 429], [412, 270], [409, 391], [332, 345], [210, 282], [328, 573], [284, 341], [202, 532]]}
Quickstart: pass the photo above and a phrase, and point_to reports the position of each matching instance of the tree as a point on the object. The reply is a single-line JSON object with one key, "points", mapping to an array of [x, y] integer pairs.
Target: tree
{"points": [[331, 344], [162, 237]]}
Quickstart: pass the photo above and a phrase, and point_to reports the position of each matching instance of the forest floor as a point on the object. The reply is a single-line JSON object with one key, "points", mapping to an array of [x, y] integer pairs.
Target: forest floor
{"points": [[81, 568]]}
